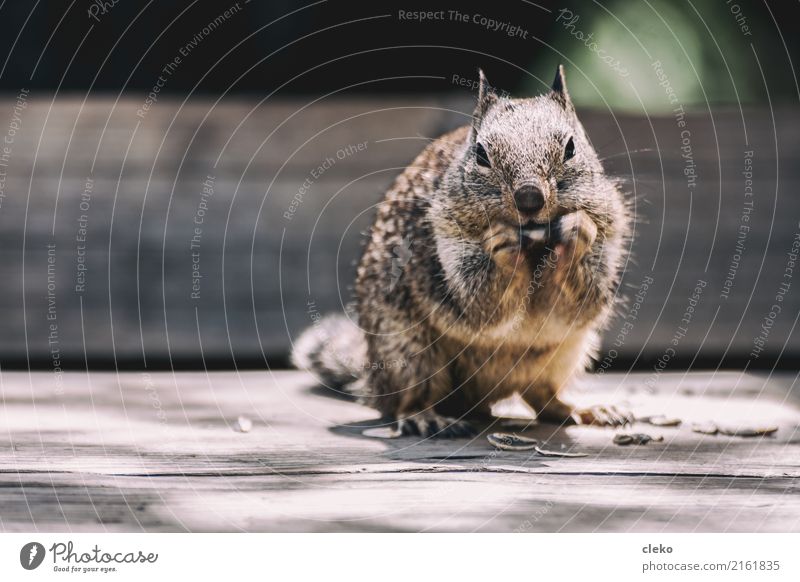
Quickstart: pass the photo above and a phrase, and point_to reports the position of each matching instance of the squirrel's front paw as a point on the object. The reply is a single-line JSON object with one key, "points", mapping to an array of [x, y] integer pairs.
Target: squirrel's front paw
{"points": [[501, 241], [577, 233]]}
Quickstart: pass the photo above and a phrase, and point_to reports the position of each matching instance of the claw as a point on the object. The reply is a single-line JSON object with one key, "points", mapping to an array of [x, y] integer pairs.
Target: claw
{"points": [[461, 429], [407, 427], [430, 424], [603, 416], [618, 417]]}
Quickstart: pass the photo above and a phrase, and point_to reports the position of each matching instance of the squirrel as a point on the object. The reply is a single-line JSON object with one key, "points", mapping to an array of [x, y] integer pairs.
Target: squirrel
{"points": [[492, 265]]}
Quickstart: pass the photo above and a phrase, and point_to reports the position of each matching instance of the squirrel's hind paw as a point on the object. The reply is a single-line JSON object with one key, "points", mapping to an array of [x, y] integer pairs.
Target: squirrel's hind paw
{"points": [[431, 425]]}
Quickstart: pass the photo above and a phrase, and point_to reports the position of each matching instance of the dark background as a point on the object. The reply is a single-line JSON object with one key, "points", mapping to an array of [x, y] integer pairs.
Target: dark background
{"points": [[270, 43]]}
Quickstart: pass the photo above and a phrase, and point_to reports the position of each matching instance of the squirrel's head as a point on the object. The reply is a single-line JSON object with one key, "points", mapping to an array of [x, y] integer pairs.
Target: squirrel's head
{"points": [[526, 160]]}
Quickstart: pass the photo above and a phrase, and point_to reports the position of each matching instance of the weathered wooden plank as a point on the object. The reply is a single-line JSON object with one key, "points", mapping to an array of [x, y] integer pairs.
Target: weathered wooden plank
{"points": [[159, 452], [418, 501]]}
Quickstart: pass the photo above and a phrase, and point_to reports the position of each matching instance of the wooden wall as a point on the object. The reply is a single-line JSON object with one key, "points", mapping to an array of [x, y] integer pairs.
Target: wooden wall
{"points": [[140, 175]]}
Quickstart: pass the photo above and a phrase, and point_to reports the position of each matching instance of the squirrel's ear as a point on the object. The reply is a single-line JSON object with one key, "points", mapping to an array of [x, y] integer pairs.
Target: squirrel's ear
{"points": [[560, 88], [486, 97]]}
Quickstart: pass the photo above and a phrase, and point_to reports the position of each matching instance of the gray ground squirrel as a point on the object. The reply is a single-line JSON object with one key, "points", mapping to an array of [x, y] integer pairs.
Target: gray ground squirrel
{"points": [[492, 264]]}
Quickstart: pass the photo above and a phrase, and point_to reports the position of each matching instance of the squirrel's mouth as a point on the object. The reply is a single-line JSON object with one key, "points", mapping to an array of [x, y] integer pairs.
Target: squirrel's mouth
{"points": [[532, 224], [536, 234]]}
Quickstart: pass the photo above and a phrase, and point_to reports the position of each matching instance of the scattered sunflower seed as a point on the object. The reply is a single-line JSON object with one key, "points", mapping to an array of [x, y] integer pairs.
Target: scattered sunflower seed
{"points": [[748, 432], [623, 439], [549, 453], [511, 442], [636, 439], [514, 442], [707, 428], [661, 420], [243, 424]]}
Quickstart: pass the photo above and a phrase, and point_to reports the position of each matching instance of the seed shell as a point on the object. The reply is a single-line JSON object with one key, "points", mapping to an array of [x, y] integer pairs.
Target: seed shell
{"points": [[511, 442], [623, 439], [636, 439], [661, 420], [707, 428], [742, 431]]}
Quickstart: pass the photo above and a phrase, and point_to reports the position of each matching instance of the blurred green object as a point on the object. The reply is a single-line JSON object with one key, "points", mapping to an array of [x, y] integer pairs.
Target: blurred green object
{"points": [[704, 49]]}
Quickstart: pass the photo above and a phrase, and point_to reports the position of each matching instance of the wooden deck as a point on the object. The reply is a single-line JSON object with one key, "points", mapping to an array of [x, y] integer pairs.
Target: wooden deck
{"points": [[132, 452]]}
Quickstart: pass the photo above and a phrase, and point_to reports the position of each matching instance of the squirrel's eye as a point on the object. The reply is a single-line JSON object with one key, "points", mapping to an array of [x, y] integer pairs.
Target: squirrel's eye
{"points": [[569, 151], [481, 156]]}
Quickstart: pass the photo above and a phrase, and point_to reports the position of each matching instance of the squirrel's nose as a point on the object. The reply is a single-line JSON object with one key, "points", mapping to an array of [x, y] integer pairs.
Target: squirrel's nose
{"points": [[529, 199]]}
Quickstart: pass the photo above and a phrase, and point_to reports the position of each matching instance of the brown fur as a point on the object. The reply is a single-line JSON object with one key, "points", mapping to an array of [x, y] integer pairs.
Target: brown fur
{"points": [[476, 312]]}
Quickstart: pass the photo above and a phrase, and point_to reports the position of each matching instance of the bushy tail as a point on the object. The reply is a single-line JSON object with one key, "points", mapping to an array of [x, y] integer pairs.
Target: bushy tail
{"points": [[334, 349]]}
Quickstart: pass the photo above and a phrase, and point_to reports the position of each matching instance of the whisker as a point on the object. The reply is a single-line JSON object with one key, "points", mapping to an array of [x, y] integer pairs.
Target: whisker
{"points": [[608, 157]]}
